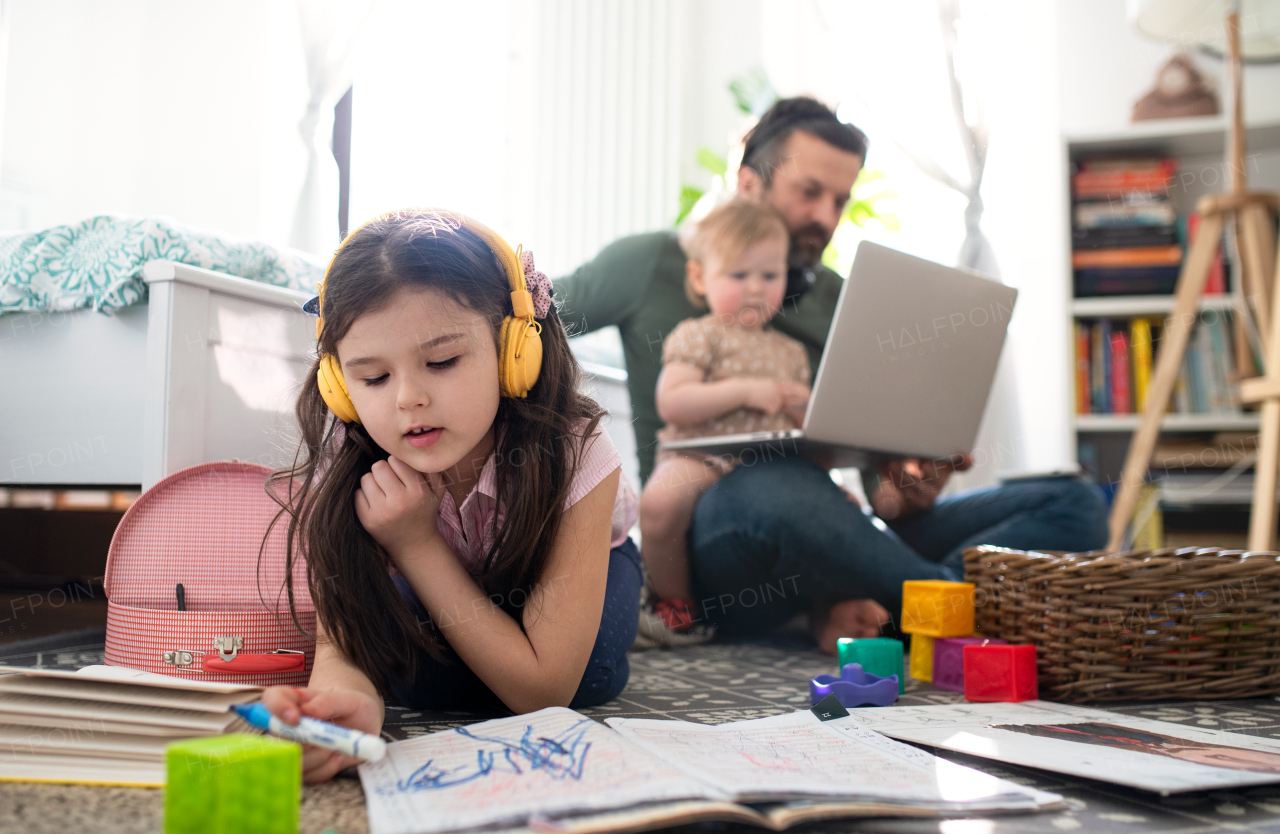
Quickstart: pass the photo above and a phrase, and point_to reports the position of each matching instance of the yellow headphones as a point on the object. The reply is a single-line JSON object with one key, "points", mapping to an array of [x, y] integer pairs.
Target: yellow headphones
{"points": [[519, 340]]}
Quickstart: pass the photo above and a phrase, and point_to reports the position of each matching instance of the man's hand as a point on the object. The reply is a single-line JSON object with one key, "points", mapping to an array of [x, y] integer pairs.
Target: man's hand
{"points": [[910, 485], [397, 506], [346, 707]]}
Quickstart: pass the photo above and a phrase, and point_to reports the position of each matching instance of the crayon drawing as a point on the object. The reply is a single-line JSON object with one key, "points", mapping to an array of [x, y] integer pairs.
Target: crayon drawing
{"points": [[560, 757]]}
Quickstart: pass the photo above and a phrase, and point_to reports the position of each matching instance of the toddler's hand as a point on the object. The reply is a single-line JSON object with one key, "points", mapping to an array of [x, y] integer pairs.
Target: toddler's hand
{"points": [[764, 395], [346, 707], [398, 505], [794, 394]]}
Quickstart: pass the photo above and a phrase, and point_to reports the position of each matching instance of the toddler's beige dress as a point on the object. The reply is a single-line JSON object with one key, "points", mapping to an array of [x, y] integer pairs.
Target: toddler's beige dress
{"points": [[722, 352]]}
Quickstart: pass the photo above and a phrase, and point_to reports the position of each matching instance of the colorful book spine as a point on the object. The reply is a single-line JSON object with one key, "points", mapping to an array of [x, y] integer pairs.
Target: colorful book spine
{"points": [[1223, 366], [1140, 348], [1101, 394], [1083, 383], [1110, 213], [1120, 403], [1129, 256], [1196, 395], [1216, 283]]}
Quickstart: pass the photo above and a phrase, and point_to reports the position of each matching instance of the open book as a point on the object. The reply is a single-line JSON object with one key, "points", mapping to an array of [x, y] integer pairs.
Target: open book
{"points": [[558, 769], [106, 724]]}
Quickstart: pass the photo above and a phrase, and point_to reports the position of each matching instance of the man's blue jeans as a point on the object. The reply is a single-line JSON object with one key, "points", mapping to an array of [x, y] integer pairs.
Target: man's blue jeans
{"points": [[780, 538]]}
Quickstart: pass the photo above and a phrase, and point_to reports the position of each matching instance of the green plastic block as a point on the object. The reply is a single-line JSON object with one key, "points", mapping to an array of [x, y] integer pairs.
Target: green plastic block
{"points": [[233, 784], [877, 655]]}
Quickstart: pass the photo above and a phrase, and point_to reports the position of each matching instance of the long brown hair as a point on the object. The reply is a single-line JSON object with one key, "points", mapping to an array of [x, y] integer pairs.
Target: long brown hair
{"points": [[538, 441]]}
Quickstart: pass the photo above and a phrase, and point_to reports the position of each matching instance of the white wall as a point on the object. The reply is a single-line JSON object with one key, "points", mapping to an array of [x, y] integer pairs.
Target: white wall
{"points": [[154, 107], [1106, 65]]}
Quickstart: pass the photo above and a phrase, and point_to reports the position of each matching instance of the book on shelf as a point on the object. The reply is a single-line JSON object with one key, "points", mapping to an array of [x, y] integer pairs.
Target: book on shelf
{"points": [[1119, 375], [1114, 360], [1107, 237], [1113, 213], [1125, 235], [1084, 384], [1127, 256], [1101, 376], [106, 725], [1118, 178], [1140, 348], [1216, 283], [1134, 280]]}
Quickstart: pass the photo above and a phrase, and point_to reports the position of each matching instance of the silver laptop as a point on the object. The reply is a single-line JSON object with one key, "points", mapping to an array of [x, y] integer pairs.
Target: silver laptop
{"points": [[909, 362]]}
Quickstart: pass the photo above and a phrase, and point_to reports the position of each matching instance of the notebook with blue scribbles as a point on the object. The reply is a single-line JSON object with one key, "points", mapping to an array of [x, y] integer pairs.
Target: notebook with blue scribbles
{"points": [[558, 770]]}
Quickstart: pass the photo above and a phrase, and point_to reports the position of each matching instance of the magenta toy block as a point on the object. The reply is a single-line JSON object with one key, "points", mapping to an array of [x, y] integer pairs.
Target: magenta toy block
{"points": [[948, 660], [1000, 673]]}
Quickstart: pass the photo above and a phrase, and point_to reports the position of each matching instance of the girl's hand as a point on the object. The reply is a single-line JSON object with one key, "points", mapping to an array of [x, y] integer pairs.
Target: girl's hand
{"points": [[764, 395], [398, 505], [347, 707]]}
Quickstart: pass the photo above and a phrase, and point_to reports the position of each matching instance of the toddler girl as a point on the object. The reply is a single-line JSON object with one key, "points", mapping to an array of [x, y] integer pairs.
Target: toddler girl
{"points": [[460, 509], [725, 373]]}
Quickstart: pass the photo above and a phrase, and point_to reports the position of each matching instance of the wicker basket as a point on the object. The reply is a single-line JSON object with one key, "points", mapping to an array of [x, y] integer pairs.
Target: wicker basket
{"points": [[1141, 625]]}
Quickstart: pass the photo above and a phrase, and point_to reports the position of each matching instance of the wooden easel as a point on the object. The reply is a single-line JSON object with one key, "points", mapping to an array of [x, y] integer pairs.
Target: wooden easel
{"points": [[1253, 230]]}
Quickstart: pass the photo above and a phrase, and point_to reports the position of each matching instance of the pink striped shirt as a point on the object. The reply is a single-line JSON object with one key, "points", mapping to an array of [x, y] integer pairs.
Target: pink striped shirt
{"points": [[469, 529]]}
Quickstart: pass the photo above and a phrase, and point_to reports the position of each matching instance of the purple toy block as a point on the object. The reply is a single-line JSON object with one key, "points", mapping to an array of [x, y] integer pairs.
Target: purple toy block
{"points": [[855, 687], [948, 660]]}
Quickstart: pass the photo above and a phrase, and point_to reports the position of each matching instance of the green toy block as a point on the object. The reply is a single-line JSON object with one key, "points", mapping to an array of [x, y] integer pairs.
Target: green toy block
{"points": [[880, 656], [233, 784]]}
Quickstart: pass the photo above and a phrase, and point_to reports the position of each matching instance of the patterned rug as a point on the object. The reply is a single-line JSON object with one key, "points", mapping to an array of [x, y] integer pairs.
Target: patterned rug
{"points": [[732, 681]]}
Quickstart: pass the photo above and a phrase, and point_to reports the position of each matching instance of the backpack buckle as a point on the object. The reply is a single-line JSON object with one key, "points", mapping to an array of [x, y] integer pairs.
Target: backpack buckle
{"points": [[227, 646]]}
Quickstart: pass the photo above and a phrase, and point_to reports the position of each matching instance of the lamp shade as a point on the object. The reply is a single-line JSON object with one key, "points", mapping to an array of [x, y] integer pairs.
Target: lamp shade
{"points": [[1199, 23]]}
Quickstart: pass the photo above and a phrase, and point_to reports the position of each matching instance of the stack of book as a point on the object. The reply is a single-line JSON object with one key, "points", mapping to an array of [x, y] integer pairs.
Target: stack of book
{"points": [[1125, 237], [106, 725], [1114, 358]]}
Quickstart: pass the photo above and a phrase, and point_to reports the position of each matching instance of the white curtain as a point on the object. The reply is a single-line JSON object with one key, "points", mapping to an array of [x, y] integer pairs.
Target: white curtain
{"points": [[331, 30]]}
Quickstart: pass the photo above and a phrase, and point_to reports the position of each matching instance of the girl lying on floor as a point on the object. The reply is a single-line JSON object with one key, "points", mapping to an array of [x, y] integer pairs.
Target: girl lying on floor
{"points": [[464, 519]]}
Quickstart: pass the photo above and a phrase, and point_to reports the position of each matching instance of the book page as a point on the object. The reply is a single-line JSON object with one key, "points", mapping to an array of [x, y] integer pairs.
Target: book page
{"points": [[544, 765], [123, 674], [1139, 752], [796, 756], [202, 723], [17, 741], [130, 693], [84, 770]]}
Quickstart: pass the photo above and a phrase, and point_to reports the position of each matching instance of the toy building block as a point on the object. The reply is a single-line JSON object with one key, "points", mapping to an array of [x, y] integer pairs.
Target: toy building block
{"points": [[855, 688], [936, 608], [948, 660], [922, 657], [1000, 673], [233, 784], [880, 656]]}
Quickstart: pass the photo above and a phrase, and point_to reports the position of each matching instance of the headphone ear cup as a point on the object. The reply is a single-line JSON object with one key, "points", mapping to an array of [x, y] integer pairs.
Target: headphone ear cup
{"points": [[333, 388], [519, 356]]}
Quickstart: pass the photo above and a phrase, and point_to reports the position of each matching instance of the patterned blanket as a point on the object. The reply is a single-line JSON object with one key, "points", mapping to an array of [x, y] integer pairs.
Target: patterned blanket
{"points": [[98, 263]]}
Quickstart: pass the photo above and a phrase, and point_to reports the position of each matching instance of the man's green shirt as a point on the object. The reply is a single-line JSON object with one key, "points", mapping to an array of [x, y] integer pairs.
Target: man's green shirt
{"points": [[637, 283]]}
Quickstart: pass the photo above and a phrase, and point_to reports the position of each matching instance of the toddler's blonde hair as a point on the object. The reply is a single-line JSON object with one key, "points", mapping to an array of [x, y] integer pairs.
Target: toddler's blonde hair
{"points": [[729, 230]]}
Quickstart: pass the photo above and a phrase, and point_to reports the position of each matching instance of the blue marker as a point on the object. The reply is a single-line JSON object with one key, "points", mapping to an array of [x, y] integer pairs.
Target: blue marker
{"points": [[317, 732]]}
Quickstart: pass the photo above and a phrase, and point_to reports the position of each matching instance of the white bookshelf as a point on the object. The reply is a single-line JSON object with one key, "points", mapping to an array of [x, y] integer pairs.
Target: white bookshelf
{"points": [[1200, 146], [1172, 422]]}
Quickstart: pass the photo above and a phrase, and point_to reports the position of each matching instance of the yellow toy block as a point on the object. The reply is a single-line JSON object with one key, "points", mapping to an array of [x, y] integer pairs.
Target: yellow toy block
{"points": [[937, 609], [922, 657]]}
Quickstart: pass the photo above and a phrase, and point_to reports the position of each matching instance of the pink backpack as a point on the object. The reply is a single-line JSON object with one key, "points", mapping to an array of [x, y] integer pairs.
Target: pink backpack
{"points": [[201, 528]]}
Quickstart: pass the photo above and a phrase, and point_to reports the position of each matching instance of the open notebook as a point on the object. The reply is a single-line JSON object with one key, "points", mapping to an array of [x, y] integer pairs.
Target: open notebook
{"points": [[557, 769], [106, 724]]}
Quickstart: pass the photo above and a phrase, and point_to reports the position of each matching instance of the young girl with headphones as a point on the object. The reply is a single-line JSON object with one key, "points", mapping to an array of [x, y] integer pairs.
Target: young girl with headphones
{"points": [[460, 509]]}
